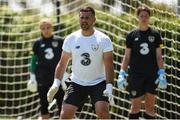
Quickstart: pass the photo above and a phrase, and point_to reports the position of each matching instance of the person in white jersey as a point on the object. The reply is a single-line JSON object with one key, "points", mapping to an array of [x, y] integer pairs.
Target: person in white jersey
{"points": [[92, 75]]}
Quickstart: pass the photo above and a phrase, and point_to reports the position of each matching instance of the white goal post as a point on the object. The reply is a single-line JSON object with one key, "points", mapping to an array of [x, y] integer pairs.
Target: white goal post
{"points": [[19, 29]]}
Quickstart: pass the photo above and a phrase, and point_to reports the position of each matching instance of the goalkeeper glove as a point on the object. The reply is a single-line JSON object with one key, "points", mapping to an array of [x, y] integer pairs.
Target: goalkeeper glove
{"points": [[122, 82], [32, 83], [161, 80], [53, 90], [108, 93]]}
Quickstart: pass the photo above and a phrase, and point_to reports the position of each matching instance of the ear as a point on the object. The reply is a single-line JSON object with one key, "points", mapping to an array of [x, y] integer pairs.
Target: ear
{"points": [[94, 19], [41, 26]]}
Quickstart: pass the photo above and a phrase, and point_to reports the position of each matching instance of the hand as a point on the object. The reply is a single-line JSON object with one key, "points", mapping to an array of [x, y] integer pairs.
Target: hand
{"points": [[161, 80], [65, 77], [53, 90], [108, 92], [122, 82], [52, 105], [32, 83]]}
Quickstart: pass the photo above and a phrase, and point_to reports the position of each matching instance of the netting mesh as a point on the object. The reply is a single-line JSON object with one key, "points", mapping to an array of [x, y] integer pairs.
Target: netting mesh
{"points": [[19, 29]]}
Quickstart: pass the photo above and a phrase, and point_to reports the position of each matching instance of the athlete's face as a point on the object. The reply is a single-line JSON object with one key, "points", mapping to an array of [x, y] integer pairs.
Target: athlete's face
{"points": [[143, 18], [46, 29], [87, 20]]}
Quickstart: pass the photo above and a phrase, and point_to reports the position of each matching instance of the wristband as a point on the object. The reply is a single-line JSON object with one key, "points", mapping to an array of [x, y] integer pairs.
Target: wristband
{"points": [[161, 71], [123, 72], [56, 82], [109, 87]]}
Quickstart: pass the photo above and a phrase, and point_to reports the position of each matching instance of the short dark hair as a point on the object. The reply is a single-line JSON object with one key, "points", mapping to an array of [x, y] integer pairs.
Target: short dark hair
{"points": [[143, 8], [88, 9]]}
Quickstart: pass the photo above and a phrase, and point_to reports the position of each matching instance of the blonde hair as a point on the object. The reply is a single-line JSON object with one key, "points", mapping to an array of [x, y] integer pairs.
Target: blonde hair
{"points": [[46, 20]]}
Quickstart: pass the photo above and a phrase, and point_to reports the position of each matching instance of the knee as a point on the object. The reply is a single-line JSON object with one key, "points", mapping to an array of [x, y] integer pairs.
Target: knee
{"points": [[66, 115], [68, 111], [45, 116], [135, 108], [103, 114], [149, 109]]}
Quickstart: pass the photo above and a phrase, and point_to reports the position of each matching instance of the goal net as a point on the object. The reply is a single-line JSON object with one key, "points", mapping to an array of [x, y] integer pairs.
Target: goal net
{"points": [[19, 29]]}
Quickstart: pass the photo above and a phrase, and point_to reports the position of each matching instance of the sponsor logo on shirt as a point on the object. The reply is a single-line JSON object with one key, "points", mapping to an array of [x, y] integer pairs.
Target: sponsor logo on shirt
{"points": [[77, 47]]}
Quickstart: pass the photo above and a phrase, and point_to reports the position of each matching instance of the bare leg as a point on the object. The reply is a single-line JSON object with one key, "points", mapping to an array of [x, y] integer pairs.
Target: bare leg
{"points": [[102, 109], [150, 100], [135, 108], [44, 117], [68, 111]]}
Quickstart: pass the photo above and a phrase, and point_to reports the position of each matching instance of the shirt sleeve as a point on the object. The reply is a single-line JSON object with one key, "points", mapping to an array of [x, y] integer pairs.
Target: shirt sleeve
{"points": [[33, 65], [128, 40], [66, 45], [108, 45], [158, 39], [35, 47], [34, 58]]}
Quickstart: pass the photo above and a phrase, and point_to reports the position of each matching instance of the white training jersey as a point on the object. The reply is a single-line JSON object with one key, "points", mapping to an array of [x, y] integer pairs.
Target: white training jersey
{"points": [[87, 56]]}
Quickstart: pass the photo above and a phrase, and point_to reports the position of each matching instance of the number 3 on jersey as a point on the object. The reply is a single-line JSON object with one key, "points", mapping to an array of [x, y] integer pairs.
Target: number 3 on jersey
{"points": [[49, 53], [86, 59], [144, 49]]}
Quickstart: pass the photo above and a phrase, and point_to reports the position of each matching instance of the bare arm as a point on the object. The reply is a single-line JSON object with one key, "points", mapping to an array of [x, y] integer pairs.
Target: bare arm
{"points": [[109, 67], [60, 69], [61, 66], [126, 59], [159, 58]]}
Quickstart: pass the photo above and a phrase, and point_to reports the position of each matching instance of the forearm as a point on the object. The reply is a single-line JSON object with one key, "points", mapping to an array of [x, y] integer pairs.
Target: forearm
{"points": [[33, 63], [126, 59], [61, 66], [109, 67], [110, 74], [160, 63], [159, 58], [60, 69], [125, 63]]}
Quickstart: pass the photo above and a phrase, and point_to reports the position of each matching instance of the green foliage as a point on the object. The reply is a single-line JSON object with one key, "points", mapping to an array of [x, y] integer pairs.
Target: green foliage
{"points": [[18, 31], [16, 42]]}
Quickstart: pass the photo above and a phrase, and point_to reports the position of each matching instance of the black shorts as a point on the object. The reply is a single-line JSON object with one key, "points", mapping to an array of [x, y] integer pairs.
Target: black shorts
{"points": [[44, 77], [138, 85], [77, 94], [43, 90]]}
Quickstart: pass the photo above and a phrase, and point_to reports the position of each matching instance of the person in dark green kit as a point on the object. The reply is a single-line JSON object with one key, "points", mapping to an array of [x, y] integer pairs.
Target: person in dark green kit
{"points": [[46, 54]]}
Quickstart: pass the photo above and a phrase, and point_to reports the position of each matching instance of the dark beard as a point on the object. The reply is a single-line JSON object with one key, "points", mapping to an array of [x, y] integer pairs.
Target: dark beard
{"points": [[84, 27]]}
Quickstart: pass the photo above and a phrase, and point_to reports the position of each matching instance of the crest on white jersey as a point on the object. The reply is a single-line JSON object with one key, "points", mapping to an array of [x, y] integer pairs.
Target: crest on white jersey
{"points": [[94, 47], [151, 38], [54, 44]]}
